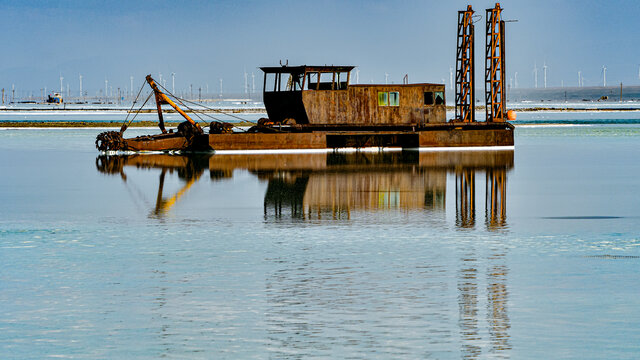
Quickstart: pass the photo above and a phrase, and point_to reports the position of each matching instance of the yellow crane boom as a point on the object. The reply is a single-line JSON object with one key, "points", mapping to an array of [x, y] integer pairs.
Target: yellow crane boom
{"points": [[162, 98]]}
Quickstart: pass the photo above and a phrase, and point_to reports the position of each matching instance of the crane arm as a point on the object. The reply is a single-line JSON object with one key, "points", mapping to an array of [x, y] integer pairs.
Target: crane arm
{"points": [[161, 96]]}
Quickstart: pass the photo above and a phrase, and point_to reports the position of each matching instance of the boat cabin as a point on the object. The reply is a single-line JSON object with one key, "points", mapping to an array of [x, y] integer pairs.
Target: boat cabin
{"points": [[323, 95]]}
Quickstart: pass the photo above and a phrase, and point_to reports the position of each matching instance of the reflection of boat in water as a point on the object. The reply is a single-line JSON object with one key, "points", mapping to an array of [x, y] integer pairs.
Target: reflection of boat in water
{"points": [[334, 185], [343, 187], [188, 168]]}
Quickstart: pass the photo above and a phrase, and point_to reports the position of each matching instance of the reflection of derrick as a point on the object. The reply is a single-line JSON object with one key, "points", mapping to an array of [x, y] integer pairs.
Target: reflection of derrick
{"points": [[497, 298], [495, 201], [188, 168], [466, 198], [468, 307], [163, 205]]}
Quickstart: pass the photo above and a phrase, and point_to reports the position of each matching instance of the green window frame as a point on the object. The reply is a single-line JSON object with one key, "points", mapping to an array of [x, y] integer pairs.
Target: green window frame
{"points": [[394, 98], [383, 98], [439, 95]]}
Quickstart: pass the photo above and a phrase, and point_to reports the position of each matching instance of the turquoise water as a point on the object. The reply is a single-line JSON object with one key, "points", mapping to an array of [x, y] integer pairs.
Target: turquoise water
{"points": [[531, 253]]}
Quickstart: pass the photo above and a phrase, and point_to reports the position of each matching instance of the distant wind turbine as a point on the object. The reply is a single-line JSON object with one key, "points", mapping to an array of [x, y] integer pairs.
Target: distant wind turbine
{"points": [[451, 77], [246, 82], [579, 78], [604, 76], [253, 83], [544, 68], [535, 75]]}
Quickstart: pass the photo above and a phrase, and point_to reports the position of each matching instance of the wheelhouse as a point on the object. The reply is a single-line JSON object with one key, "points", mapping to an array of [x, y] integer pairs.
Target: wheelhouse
{"points": [[323, 95]]}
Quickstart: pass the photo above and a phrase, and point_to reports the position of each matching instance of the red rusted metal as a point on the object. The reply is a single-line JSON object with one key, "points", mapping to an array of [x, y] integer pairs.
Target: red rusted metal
{"points": [[465, 67], [495, 67]]}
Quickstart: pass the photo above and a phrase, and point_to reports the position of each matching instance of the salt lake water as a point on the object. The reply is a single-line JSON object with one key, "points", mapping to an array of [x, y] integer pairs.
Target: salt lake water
{"points": [[525, 253]]}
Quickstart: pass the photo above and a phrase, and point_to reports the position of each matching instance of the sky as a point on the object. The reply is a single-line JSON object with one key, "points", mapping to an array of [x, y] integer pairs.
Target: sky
{"points": [[204, 41]]}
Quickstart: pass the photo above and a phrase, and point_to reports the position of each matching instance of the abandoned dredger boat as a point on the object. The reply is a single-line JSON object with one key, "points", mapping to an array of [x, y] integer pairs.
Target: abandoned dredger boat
{"points": [[318, 108]]}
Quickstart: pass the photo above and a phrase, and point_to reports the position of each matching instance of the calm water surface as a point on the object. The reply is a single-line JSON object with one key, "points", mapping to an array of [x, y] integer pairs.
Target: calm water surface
{"points": [[532, 253]]}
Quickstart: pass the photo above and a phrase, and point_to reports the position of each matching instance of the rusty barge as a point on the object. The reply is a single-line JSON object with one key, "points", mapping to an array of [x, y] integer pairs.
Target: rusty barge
{"points": [[317, 108]]}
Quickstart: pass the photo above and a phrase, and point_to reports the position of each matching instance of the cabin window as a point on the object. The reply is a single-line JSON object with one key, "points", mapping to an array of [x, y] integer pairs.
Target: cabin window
{"points": [[270, 82], [312, 81], [439, 97], [342, 80], [293, 82], [394, 98], [428, 98], [326, 81], [383, 98]]}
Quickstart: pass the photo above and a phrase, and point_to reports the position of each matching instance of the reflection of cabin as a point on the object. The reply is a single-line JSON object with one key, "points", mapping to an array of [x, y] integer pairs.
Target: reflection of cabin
{"points": [[320, 95]]}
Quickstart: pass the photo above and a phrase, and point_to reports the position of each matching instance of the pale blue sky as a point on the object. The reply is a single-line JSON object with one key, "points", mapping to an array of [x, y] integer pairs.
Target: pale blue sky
{"points": [[202, 41]]}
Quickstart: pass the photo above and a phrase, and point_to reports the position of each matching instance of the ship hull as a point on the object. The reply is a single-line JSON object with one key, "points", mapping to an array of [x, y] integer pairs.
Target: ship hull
{"points": [[322, 138], [440, 136]]}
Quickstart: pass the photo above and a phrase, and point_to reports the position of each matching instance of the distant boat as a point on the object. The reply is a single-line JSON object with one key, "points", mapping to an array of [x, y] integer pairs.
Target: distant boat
{"points": [[55, 99]]}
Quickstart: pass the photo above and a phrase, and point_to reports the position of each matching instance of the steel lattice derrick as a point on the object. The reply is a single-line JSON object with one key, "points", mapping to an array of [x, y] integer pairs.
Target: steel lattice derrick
{"points": [[465, 94], [495, 98]]}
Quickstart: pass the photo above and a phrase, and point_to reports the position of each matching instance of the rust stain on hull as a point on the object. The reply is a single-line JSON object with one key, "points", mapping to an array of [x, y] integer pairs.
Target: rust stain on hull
{"points": [[444, 135], [258, 141], [156, 143]]}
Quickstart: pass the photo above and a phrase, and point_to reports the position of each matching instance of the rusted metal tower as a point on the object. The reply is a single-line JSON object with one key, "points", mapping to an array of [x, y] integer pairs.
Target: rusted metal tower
{"points": [[465, 94], [495, 95]]}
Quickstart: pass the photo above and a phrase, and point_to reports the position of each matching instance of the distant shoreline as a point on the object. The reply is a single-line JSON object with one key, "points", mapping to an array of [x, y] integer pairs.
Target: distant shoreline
{"points": [[263, 110], [93, 124], [4, 125], [35, 122], [125, 111]]}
